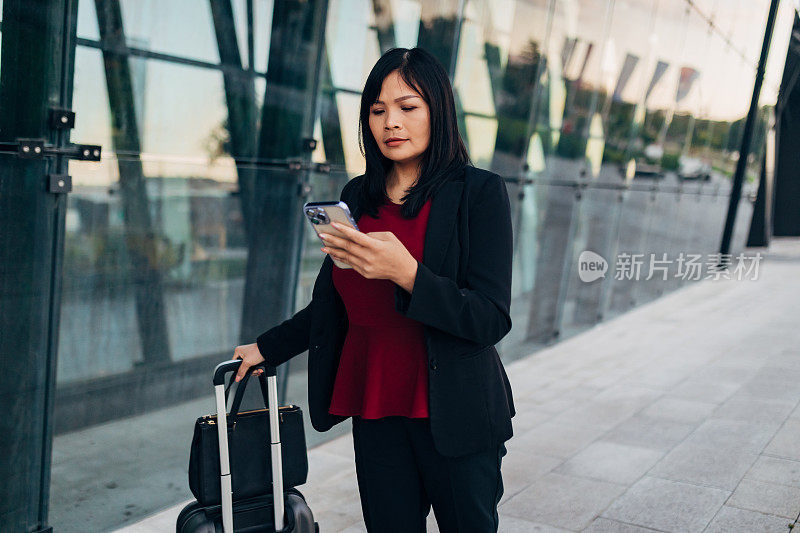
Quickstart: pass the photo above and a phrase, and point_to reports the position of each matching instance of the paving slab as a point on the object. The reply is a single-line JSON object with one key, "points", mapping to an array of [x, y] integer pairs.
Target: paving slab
{"points": [[704, 390], [511, 524], [608, 461], [521, 467], [785, 442], [705, 465], [730, 519], [775, 470], [605, 525], [726, 434], [743, 406], [667, 505], [569, 502], [769, 498], [558, 439], [647, 432], [680, 409]]}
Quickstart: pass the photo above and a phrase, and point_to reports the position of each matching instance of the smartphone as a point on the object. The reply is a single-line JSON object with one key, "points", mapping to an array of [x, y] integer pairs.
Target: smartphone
{"points": [[321, 214]]}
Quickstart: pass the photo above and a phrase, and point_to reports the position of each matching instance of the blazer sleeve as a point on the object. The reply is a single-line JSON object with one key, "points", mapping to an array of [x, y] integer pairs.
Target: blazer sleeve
{"points": [[480, 311], [290, 337]]}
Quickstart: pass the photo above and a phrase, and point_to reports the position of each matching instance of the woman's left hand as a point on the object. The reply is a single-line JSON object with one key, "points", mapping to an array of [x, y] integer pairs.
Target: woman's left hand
{"points": [[374, 255]]}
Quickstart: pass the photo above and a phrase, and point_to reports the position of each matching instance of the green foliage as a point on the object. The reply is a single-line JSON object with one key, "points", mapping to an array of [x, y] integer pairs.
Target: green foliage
{"points": [[612, 154], [104, 258], [669, 161], [571, 145]]}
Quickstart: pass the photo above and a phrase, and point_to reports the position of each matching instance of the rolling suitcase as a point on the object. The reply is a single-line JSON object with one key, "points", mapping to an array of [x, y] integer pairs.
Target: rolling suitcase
{"points": [[283, 511]]}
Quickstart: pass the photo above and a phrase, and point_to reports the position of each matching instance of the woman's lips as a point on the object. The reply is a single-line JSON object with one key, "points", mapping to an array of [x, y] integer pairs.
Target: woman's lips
{"points": [[395, 143]]}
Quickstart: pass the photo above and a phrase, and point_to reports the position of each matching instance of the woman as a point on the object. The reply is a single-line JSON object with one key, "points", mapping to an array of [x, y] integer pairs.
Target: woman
{"points": [[403, 342]]}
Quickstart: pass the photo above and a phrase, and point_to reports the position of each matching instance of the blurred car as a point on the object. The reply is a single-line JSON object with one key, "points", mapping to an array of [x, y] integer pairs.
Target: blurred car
{"points": [[648, 170], [692, 168], [649, 166]]}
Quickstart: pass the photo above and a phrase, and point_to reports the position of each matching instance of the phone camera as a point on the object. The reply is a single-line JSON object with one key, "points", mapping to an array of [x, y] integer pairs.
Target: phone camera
{"points": [[317, 216]]}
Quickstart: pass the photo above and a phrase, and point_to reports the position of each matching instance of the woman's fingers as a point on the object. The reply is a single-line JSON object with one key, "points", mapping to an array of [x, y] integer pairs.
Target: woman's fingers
{"points": [[333, 241], [247, 361], [242, 371], [354, 235]]}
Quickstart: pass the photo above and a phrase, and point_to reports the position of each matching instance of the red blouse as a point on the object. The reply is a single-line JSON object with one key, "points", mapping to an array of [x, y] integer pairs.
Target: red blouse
{"points": [[383, 370]]}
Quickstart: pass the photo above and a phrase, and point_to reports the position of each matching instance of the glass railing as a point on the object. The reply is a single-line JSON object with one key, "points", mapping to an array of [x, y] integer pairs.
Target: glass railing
{"points": [[641, 232]]}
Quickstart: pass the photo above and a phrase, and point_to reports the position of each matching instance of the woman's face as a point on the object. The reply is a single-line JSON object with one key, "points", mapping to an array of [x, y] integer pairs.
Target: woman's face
{"points": [[400, 112]]}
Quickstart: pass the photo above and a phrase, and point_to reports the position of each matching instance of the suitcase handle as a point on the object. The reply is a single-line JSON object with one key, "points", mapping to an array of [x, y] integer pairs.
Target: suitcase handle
{"points": [[222, 434], [234, 364]]}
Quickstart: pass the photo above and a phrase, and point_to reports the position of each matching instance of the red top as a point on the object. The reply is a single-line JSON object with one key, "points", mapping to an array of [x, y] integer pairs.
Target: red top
{"points": [[383, 370]]}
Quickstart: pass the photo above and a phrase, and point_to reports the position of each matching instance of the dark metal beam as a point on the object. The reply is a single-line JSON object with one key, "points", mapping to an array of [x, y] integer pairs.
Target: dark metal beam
{"points": [[744, 150], [37, 59], [240, 98], [133, 51], [287, 117], [140, 235]]}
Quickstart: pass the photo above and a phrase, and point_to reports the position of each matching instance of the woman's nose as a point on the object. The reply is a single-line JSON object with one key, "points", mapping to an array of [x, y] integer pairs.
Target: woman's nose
{"points": [[391, 121]]}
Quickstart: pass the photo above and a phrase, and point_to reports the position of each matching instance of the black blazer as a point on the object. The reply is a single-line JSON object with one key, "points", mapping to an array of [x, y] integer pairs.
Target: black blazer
{"points": [[462, 295]]}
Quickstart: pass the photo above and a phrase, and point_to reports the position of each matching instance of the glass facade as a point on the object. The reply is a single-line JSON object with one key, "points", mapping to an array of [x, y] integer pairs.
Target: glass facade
{"points": [[616, 124]]}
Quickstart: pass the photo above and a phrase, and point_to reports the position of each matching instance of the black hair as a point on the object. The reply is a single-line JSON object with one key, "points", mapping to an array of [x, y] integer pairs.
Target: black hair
{"points": [[446, 152]]}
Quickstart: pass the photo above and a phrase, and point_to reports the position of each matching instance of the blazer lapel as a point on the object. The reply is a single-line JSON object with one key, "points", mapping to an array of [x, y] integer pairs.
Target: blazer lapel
{"points": [[441, 220]]}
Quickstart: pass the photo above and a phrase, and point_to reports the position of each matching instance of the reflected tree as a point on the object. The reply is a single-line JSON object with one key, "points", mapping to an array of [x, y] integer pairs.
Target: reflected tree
{"points": [[140, 236], [270, 199], [514, 89]]}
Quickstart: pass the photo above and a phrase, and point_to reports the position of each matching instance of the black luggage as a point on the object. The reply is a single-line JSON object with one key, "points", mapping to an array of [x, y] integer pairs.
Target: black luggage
{"points": [[282, 511], [251, 515]]}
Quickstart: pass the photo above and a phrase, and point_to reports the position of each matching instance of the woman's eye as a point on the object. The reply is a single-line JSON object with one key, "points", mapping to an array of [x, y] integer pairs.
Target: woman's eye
{"points": [[380, 111]]}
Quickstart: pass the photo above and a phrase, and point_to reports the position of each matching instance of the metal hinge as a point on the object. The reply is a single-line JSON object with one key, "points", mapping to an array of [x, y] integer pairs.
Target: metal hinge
{"points": [[38, 149], [59, 119], [60, 183], [62, 119]]}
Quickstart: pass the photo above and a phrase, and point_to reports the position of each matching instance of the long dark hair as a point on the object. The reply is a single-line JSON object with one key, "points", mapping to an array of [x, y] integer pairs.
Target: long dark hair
{"points": [[446, 152]]}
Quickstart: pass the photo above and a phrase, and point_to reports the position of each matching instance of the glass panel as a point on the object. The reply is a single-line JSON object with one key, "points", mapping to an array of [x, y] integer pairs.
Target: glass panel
{"points": [[352, 47], [741, 227], [661, 212], [556, 210], [579, 42], [181, 28], [170, 261], [171, 28], [525, 198], [634, 222], [593, 238], [542, 222], [200, 257]]}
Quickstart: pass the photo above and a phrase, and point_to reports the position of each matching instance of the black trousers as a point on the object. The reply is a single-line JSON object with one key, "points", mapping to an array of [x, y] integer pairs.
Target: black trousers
{"points": [[401, 475]]}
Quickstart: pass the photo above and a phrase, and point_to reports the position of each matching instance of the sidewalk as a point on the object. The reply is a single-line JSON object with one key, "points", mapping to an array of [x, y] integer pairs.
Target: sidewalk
{"points": [[681, 416]]}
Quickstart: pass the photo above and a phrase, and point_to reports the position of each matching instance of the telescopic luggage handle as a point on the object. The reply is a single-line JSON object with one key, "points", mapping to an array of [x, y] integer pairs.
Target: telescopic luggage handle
{"points": [[233, 366], [222, 431]]}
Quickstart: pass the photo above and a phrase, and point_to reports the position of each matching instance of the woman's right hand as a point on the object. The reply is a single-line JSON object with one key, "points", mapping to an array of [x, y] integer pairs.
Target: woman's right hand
{"points": [[250, 355]]}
